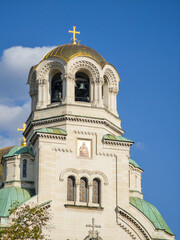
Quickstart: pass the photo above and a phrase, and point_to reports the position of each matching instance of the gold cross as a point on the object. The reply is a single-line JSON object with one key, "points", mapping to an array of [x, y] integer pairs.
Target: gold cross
{"points": [[23, 143], [74, 34]]}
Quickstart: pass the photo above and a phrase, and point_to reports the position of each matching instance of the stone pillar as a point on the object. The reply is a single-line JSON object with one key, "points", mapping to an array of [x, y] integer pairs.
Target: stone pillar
{"points": [[77, 193], [41, 93], [110, 99], [115, 91], [94, 82], [68, 82], [100, 99], [90, 194]]}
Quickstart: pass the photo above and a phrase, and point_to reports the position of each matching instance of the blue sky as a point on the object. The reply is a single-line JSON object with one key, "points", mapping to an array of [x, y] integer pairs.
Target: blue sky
{"points": [[141, 39]]}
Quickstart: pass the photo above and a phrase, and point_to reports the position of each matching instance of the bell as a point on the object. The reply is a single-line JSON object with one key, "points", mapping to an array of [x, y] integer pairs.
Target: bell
{"points": [[56, 94], [82, 86]]}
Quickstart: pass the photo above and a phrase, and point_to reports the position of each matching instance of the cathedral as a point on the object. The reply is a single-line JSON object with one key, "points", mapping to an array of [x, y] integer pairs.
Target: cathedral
{"points": [[74, 156]]}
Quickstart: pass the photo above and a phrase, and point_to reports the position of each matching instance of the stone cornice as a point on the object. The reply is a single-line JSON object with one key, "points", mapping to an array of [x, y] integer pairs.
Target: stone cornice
{"points": [[46, 136], [123, 215], [118, 143], [73, 118]]}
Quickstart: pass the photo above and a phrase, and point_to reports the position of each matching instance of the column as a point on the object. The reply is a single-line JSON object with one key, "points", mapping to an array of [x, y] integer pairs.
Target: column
{"points": [[110, 99], [90, 194], [94, 82], [41, 92], [68, 82], [77, 202], [100, 99]]}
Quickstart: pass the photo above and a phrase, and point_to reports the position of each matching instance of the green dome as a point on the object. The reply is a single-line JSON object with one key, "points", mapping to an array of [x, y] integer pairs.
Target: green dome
{"points": [[151, 213], [19, 150], [10, 195], [69, 51]]}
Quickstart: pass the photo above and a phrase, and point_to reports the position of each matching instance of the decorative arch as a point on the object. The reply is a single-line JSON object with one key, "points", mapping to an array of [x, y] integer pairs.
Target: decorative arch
{"points": [[111, 78], [84, 65], [51, 67], [79, 173]]}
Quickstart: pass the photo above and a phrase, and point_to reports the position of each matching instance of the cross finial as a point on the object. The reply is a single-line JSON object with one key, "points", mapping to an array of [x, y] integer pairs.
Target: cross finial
{"points": [[74, 34], [93, 233], [23, 143]]}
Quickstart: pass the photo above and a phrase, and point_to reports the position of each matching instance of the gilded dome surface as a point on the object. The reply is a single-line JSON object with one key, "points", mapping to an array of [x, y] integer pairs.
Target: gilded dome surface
{"points": [[69, 51]]}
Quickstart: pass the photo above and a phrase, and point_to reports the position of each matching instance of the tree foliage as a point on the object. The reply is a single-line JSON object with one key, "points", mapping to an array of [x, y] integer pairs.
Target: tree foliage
{"points": [[27, 222]]}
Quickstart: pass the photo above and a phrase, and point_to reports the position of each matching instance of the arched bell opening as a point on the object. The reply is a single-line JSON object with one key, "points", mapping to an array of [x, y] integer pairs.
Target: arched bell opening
{"points": [[82, 87], [56, 88], [105, 92]]}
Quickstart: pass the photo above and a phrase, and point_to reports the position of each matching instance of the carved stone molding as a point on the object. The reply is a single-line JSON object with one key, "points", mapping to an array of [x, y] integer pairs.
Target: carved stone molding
{"points": [[101, 80], [125, 220], [134, 169], [68, 76], [106, 154], [117, 143], [51, 136], [83, 64], [51, 66], [62, 150], [111, 78], [41, 81], [75, 119], [76, 172], [84, 133]]}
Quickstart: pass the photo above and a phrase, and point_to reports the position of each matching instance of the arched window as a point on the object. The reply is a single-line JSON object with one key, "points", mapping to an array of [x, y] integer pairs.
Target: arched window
{"points": [[71, 188], [82, 88], [83, 193], [96, 191], [56, 88], [24, 168]]}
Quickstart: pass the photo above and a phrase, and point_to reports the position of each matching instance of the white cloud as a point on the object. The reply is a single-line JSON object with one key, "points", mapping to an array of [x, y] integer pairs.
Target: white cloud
{"points": [[12, 117], [18, 60], [15, 64], [14, 67]]}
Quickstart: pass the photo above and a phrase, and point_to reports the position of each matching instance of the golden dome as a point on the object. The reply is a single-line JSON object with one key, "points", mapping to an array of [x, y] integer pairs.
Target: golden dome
{"points": [[69, 51]]}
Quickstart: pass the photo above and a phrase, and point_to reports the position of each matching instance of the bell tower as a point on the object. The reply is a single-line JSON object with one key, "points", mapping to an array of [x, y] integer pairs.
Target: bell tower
{"points": [[75, 80], [76, 158]]}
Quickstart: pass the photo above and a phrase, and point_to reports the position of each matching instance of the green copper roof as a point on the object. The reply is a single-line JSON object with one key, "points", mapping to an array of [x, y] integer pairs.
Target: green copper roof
{"points": [[58, 131], [19, 150], [116, 138], [151, 213], [10, 195], [131, 161], [4, 151]]}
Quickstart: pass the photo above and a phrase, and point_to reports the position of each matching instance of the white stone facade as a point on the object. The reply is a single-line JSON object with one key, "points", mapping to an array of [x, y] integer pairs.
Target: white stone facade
{"points": [[56, 157]]}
